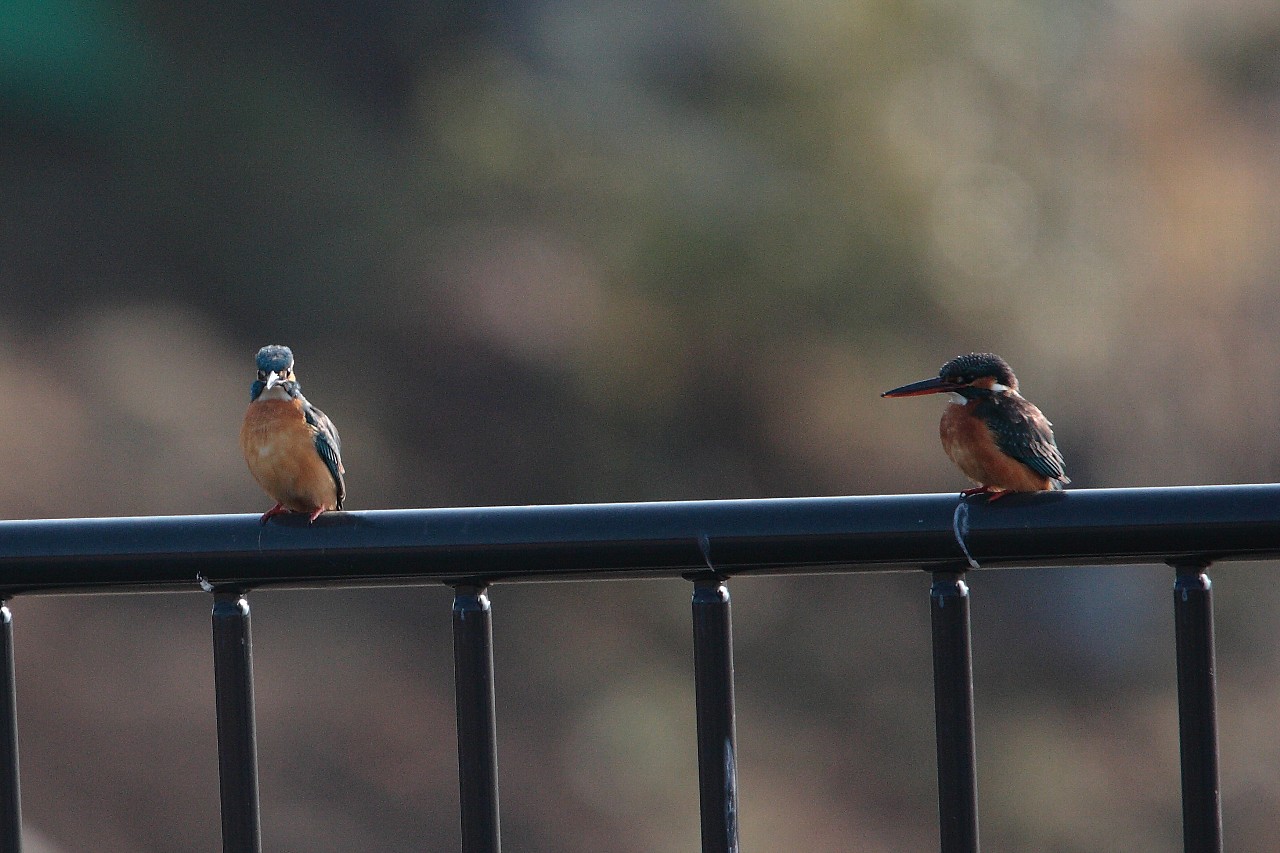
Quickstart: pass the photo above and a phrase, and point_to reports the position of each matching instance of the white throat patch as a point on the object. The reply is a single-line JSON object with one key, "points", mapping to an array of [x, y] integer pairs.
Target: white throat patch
{"points": [[275, 392]]}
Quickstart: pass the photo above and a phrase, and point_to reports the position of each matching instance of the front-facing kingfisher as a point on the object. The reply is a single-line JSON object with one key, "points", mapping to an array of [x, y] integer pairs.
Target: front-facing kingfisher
{"points": [[995, 436], [292, 448]]}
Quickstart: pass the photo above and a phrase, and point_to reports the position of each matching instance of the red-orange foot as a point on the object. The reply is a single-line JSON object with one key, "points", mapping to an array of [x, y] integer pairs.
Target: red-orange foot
{"points": [[315, 515], [278, 509], [992, 494]]}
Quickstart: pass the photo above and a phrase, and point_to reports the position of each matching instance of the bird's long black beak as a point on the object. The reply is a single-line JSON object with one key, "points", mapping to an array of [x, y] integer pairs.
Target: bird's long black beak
{"points": [[936, 385]]}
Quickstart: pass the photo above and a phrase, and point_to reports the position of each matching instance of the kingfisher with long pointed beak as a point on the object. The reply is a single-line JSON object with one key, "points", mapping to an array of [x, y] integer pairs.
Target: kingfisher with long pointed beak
{"points": [[995, 436], [292, 448]]}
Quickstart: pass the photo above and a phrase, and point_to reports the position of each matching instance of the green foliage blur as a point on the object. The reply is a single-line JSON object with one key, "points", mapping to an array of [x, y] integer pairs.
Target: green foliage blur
{"points": [[546, 251]]}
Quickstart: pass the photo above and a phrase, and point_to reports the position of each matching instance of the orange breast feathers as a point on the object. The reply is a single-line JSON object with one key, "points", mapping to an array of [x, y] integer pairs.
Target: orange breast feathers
{"points": [[280, 449], [973, 448]]}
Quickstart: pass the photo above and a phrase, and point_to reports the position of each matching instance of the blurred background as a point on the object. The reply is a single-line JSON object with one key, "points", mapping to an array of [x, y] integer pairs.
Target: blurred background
{"points": [[615, 250]]}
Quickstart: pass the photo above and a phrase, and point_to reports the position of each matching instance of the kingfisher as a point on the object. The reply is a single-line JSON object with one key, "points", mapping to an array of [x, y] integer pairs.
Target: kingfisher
{"points": [[998, 438], [292, 448]]}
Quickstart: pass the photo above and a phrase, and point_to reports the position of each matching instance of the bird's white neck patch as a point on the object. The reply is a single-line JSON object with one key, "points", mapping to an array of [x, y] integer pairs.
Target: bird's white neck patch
{"points": [[956, 399], [275, 392]]}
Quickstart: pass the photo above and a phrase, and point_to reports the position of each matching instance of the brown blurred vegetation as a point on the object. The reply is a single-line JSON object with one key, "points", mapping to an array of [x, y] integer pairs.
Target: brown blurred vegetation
{"points": [[547, 251]]}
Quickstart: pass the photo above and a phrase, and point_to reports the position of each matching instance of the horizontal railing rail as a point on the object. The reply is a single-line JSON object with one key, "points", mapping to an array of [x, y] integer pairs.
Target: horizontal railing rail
{"points": [[640, 540], [705, 542]]}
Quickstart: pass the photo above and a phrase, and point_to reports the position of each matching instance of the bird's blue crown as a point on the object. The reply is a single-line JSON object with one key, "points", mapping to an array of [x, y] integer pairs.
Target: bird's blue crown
{"points": [[275, 358], [979, 364]]}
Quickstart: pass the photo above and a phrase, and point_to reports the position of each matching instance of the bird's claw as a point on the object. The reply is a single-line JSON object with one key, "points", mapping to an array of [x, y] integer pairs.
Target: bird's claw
{"points": [[278, 509], [992, 494]]}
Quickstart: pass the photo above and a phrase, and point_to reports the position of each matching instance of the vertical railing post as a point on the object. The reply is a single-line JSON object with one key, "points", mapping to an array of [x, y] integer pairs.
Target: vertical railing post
{"points": [[10, 798], [953, 710], [477, 719], [1197, 708], [713, 691], [237, 737]]}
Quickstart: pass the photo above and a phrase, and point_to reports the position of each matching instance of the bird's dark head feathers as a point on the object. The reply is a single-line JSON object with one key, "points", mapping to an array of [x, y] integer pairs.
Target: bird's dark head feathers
{"points": [[274, 358], [966, 369]]}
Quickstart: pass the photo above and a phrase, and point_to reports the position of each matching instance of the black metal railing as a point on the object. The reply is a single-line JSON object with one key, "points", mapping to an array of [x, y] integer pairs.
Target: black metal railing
{"points": [[704, 542]]}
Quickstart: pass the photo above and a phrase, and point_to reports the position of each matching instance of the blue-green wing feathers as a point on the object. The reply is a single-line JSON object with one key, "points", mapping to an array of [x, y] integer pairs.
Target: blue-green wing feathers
{"points": [[1024, 433], [328, 445]]}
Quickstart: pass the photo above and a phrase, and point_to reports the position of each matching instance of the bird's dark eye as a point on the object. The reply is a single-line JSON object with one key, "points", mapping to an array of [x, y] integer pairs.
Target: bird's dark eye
{"points": [[262, 376]]}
